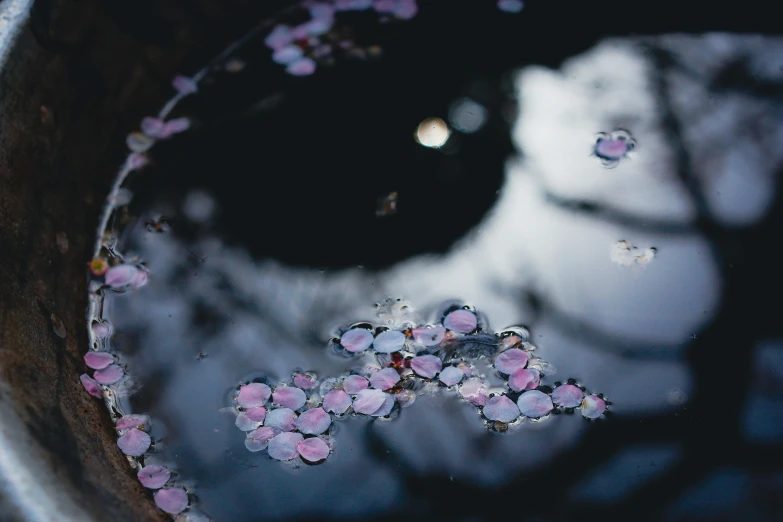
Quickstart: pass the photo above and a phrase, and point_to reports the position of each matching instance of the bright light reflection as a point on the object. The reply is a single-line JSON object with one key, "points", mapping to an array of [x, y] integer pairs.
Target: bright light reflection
{"points": [[467, 115], [433, 133]]}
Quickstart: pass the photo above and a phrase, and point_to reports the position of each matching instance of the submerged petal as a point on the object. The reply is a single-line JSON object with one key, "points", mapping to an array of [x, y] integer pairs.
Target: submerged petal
{"points": [[313, 450], [259, 439], [289, 397], [314, 422], [474, 390], [369, 401], [567, 396], [134, 443], [426, 366], [171, 500], [98, 360], [153, 477], [593, 406], [429, 336], [91, 385], [384, 379], [461, 321], [253, 394], [356, 340], [523, 379], [353, 384], [535, 404], [120, 276], [283, 445], [337, 401], [501, 408], [510, 361], [451, 375], [109, 375], [281, 419], [389, 341]]}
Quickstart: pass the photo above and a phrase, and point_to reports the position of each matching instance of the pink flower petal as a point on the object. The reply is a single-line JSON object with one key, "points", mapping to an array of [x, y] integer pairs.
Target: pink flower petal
{"points": [[314, 422], [152, 127], [137, 160], [313, 449], [426, 366], [353, 384], [109, 375], [389, 341], [384, 379], [171, 500], [461, 321], [501, 408], [134, 443], [451, 375], [245, 423], [337, 401], [406, 9], [98, 360], [259, 439], [91, 385], [523, 379], [593, 406], [385, 408], [253, 395], [356, 340], [611, 149], [133, 420], [301, 67], [567, 396], [429, 336], [184, 85], [101, 329], [321, 11], [474, 390], [153, 477], [305, 381], [289, 397], [281, 419], [279, 37], [368, 402], [385, 6], [120, 276], [257, 414], [352, 5], [535, 404], [286, 55], [141, 279], [174, 126], [510, 361], [283, 445]]}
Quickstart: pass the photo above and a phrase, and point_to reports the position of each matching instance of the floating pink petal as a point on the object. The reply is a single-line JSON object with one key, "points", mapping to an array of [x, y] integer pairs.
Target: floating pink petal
{"points": [[257, 414], [305, 381], [289, 397], [134, 443], [474, 391], [385, 408], [567, 396], [406, 9], [511, 360], [314, 422], [593, 406], [245, 423], [611, 148], [91, 385], [337, 401], [109, 375], [384, 379], [426, 366], [281, 419], [141, 279], [152, 127], [287, 54], [352, 5], [153, 477], [353, 384], [389, 341], [501, 408], [174, 126], [510, 6], [385, 6], [523, 380], [283, 446], [368, 402], [259, 439], [137, 160], [451, 375], [253, 394], [98, 360], [171, 500], [461, 321], [429, 336], [101, 329], [133, 420], [279, 37], [313, 449], [356, 340], [535, 404], [301, 67], [120, 276], [184, 85]]}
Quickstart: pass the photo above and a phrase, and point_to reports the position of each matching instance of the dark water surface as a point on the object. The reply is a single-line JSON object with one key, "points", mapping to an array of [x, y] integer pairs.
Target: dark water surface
{"points": [[275, 243]]}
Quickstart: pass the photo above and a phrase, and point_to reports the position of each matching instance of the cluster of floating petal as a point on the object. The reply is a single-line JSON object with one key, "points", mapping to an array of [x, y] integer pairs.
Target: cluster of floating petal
{"points": [[624, 254], [294, 420], [611, 148]]}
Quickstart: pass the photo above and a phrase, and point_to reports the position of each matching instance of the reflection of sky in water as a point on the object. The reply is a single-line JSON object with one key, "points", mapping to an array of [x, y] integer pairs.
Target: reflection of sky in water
{"points": [[619, 330]]}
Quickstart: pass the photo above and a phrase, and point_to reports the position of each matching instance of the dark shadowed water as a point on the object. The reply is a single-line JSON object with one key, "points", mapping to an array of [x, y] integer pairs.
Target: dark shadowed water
{"points": [[276, 242]]}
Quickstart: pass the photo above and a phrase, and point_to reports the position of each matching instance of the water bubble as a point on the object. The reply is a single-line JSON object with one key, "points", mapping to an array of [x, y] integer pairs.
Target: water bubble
{"points": [[461, 321], [567, 396], [171, 500], [451, 375], [91, 385], [510, 361], [369, 401], [389, 341], [109, 375], [313, 449], [353, 384], [523, 379], [384, 379], [98, 360], [134, 443], [153, 477], [337, 401], [501, 408], [426, 366], [253, 394], [593, 406], [283, 446], [314, 422], [289, 397], [259, 439], [356, 340], [535, 404], [281, 419]]}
